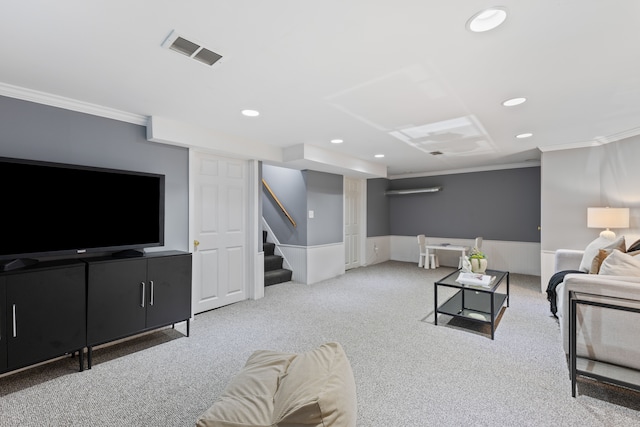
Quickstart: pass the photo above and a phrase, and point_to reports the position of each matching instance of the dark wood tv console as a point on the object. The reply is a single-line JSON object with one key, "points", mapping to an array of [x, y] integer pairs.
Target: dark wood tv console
{"points": [[55, 308]]}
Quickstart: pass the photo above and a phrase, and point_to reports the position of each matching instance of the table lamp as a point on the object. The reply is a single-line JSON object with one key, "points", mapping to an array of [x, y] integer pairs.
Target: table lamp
{"points": [[608, 218]]}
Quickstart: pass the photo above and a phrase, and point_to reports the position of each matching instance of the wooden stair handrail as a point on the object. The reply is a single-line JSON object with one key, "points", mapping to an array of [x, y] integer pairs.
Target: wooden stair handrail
{"points": [[278, 202]]}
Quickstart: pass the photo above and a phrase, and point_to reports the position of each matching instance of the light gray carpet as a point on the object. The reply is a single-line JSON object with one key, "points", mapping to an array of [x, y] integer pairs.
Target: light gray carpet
{"points": [[408, 371]]}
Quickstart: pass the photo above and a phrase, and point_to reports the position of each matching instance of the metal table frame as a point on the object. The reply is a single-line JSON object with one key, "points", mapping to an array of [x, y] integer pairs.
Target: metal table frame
{"points": [[460, 304], [599, 370]]}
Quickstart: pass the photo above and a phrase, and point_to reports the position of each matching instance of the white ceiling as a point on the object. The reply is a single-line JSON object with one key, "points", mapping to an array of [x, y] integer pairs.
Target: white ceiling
{"points": [[402, 78]]}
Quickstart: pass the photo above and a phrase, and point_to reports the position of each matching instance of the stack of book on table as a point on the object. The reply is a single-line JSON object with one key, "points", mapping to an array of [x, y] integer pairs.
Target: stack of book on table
{"points": [[475, 279]]}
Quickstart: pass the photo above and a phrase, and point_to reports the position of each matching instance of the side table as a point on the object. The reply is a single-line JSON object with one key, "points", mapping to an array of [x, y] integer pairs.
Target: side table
{"points": [[597, 369]]}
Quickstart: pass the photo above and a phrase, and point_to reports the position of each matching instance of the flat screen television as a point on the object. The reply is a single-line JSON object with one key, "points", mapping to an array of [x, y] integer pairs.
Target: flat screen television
{"points": [[57, 210]]}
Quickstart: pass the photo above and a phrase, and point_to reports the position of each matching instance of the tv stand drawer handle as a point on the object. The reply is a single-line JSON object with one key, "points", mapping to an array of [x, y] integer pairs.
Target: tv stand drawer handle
{"points": [[151, 296], [142, 295], [15, 328]]}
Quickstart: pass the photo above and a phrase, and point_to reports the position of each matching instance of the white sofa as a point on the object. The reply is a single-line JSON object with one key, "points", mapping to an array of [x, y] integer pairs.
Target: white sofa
{"points": [[603, 334]]}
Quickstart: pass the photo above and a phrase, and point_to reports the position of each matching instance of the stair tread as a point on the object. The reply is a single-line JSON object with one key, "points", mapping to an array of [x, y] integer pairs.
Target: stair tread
{"points": [[276, 271], [268, 248], [280, 275], [273, 271], [272, 262]]}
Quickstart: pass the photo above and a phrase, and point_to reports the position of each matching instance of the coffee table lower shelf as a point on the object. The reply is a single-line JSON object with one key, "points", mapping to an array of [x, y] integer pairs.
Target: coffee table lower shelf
{"points": [[454, 307]]}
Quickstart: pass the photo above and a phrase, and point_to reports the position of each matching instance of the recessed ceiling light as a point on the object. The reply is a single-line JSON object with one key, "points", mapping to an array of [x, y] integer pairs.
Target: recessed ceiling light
{"points": [[487, 20], [379, 156], [524, 135], [513, 102], [337, 141], [250, 113]]}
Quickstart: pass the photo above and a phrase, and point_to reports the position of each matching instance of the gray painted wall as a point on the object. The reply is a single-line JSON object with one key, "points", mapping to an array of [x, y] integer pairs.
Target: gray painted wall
{"points": [[39, 132], [378, 222], [497, 205], [573, 180], [299, 192], [290, 188], [325, 196]]}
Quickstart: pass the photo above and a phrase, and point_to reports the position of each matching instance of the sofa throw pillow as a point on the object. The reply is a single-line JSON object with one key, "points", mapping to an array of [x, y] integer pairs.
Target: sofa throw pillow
{"points": [[597, 260], [602, 254], [248, 398], [634, 253], [600, 243], [620, 264], [317, 390]]}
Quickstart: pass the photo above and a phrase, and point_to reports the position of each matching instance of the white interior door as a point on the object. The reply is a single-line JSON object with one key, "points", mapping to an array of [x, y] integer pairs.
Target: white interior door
{"points": [[220, 194], [352, 222]]}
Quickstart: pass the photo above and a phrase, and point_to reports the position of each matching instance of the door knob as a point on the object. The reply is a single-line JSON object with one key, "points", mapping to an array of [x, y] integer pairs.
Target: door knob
{"points": [[196, 243]]}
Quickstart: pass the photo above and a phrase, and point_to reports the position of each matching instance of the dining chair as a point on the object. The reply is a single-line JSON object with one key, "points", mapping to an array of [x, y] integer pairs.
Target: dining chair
{"points": [[478, 243], [423, 261]]}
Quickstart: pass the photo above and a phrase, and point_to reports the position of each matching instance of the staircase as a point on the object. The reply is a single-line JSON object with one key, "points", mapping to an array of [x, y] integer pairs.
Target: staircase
{"points": [[273, 271]]}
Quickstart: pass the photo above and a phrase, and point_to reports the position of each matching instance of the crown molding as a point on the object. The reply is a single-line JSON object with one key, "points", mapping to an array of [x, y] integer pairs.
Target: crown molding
{"points": [[528, 164], [571, 146], [44, 98], [596, 142], [619, 136]]}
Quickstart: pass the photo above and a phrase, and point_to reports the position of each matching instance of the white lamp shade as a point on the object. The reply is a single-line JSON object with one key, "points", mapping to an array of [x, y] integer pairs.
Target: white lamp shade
{"points": [[608, 217]]}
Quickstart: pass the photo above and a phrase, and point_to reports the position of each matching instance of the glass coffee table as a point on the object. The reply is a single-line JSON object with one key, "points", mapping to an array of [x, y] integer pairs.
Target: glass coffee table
{"points": [[477, 303]]}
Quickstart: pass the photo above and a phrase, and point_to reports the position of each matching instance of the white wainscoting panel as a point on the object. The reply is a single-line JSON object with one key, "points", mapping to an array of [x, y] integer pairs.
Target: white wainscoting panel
{"points": [[515, 257], [404, 248], [378, 250], [547, 268], [297, 259], [311, 264], [258, 280], [324, 262]]}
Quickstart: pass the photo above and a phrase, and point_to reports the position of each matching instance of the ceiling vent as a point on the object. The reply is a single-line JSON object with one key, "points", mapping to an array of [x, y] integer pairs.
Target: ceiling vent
{"points": [[191, 49]]}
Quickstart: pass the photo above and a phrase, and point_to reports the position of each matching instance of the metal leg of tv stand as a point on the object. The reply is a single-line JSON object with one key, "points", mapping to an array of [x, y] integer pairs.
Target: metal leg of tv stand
{"points": [[173, 326], [80, 358]]}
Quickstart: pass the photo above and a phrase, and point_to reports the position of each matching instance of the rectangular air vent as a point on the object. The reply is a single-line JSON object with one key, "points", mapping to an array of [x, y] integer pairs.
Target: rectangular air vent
{"points": [[191, 49], [206, 56]]}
